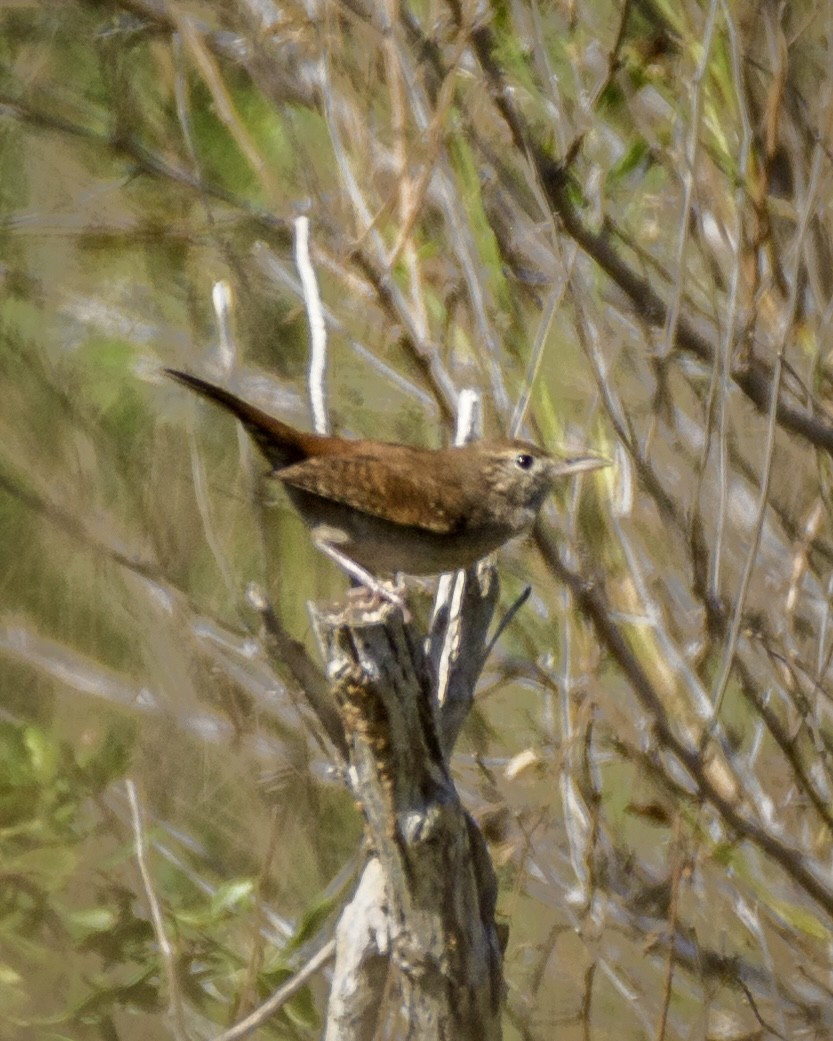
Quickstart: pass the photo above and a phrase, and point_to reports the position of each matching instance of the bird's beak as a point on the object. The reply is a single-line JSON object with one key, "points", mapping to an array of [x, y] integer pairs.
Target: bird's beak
{"points": [[579, 464]]}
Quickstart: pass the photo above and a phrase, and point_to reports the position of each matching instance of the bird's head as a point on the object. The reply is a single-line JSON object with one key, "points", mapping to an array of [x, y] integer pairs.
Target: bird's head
{"points": [[521, 475]]}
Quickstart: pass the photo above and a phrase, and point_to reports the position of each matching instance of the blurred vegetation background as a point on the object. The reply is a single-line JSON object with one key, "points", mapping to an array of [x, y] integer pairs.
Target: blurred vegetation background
{"points": [[626, 205]]}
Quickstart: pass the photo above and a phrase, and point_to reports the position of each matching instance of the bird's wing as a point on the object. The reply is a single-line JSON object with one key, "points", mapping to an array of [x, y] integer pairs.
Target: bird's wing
{"points": [[366, 481]]}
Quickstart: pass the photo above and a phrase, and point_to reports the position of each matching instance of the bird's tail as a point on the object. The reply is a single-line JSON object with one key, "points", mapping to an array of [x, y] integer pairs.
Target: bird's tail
{"points": [[282, 444]]}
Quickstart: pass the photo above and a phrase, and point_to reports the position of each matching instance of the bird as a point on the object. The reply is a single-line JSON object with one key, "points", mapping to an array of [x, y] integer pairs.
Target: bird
{"points": [[379, 507]]}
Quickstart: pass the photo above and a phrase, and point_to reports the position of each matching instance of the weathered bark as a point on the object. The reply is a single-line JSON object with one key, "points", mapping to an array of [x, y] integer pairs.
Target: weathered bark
{"points": [[426, 902]]}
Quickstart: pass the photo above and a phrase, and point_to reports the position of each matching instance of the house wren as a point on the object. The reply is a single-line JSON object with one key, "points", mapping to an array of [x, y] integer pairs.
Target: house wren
{"points": [[389, 507]]}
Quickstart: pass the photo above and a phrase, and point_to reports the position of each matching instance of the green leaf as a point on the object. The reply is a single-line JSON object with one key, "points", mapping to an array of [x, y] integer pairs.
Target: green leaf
{"points": [[314, 917], [231, 895], [94, 919], [44, 754]]}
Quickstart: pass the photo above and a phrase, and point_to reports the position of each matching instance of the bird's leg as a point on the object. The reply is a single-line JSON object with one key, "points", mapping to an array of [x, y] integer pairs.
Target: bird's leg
{"points": [[356, 571]]}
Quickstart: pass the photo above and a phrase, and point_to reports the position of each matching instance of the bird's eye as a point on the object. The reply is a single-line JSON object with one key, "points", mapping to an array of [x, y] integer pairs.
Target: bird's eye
{"points": [[524, 461]]}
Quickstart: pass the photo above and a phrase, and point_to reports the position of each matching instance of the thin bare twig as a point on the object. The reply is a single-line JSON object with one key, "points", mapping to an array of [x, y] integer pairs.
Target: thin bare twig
{"points": [[318, 330], [672, 315], [166, 949], [677, 860], [272, 1005], [721, 373]]}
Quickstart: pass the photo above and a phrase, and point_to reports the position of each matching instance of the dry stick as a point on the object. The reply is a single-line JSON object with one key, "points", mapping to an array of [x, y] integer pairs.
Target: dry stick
{"points": [[285, 648], [317, 328], [824, 657], [282, 646], [536, 356], [549, 81], [672, 316], [750, 918], [613, 62], [273, 1004], [165, 947], [433, 135], [244, 1000], [408, 207], [767, 1027], [723, 354], [464, 603], [388, 292], [200, 484], [425, 845], [183, 114], [578, 823], [511, 611], [360, 974], [450, 591], [587, 1000], [673, 906], [222, 299], [423, 353]]}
